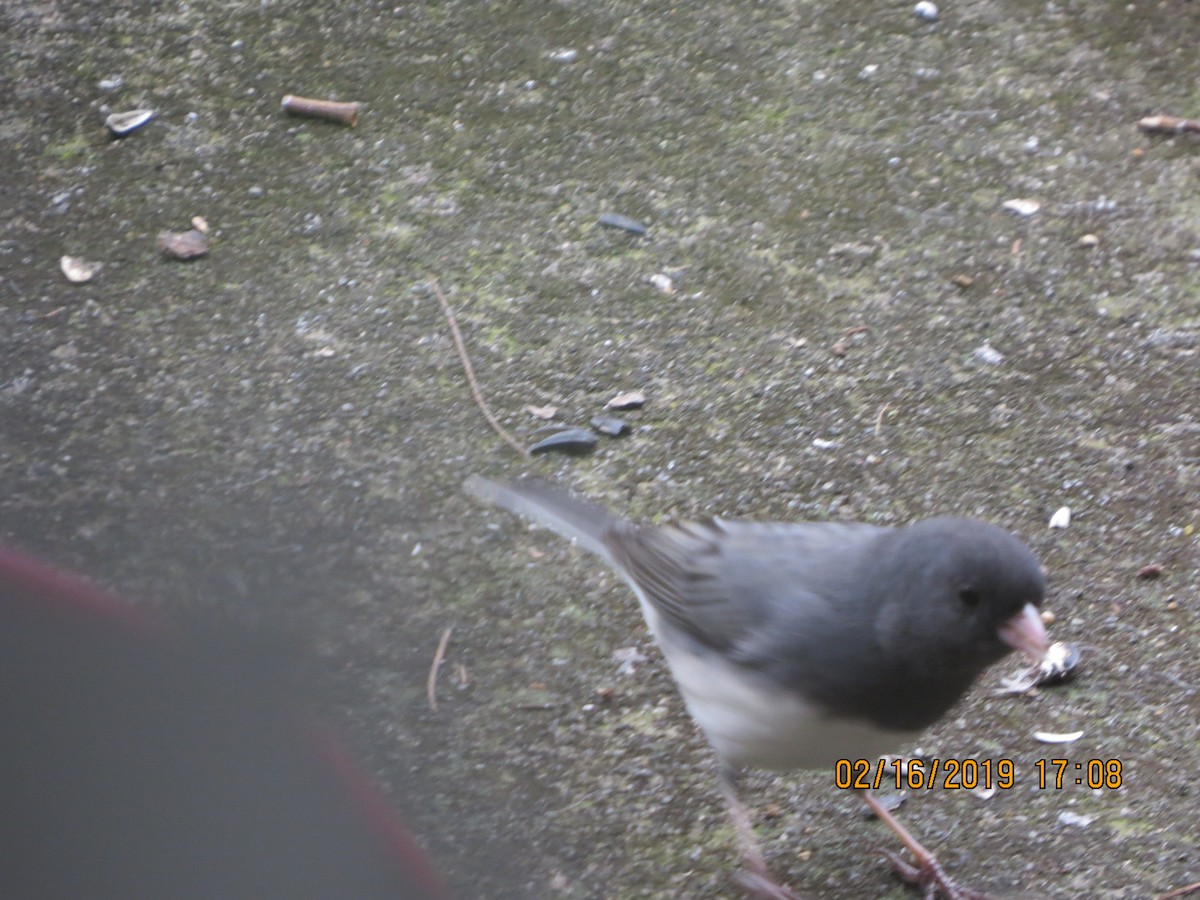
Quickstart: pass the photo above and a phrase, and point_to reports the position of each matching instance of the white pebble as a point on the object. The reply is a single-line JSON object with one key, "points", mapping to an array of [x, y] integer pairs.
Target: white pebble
{"points": [[926, 10], [988, 354], [1061, 517]]}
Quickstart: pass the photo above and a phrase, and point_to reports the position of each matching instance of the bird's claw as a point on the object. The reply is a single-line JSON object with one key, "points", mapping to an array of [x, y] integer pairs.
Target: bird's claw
{"points": [[926, 873]]}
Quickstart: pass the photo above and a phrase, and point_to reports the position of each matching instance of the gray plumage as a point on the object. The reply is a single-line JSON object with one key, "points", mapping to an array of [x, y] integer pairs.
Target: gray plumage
{"points": [[854, 636]]}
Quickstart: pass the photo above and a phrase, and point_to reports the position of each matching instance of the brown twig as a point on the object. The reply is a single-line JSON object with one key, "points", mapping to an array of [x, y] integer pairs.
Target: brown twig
{"points": [[879, 418], [461, 347], [331, 110], [1182, 892], [438, 656]]}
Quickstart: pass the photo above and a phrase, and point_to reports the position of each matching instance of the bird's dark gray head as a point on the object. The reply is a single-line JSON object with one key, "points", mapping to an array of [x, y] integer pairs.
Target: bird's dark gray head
{"points": [[954, 584]]}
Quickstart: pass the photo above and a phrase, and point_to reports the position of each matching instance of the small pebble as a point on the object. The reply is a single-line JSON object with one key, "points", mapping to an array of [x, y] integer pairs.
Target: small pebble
{"points": [[1089, 240], [1069, 818], [988, 354], [926, 10], [1021, 207], [77, 270]]}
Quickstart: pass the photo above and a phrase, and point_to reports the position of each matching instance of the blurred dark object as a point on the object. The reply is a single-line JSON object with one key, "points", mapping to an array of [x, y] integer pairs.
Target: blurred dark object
{"points": [[139, 759]]}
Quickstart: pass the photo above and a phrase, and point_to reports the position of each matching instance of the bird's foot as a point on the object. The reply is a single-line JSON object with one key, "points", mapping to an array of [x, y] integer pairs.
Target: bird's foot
{"points": [[926, 873], [759, 884]]}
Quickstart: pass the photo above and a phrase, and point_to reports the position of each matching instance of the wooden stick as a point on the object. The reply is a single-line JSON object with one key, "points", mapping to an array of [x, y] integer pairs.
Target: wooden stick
{"points": [[332, 110], [438, 656], [466, 363]]}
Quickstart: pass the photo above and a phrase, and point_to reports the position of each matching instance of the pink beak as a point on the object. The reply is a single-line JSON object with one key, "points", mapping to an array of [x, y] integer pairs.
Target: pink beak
{"points": [[1025, 632]]}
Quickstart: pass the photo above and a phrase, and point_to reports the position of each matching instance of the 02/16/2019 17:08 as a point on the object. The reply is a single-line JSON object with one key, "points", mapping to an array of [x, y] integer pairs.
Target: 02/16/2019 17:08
{"points": [[972, 774]]}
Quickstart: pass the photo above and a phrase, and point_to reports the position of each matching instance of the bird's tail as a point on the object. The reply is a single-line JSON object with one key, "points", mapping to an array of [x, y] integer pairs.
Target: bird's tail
{"points": [[548, 506]]}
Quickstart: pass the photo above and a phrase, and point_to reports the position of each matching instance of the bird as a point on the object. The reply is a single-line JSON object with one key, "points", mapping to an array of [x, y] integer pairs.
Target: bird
{"points": [[795, 645]]}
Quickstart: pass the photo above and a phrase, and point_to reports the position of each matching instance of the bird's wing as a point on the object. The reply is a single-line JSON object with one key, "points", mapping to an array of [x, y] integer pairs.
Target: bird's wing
{"points": [[723, 582]]}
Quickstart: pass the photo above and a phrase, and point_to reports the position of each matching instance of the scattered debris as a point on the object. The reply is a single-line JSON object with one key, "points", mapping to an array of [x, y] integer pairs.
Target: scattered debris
{"points": [[1169, 125], [628, 657], [610, 425], [1150, 572], [121, 124], [1061, 517], [616, 220], [627, 400], [1054, 737], [926, 10], [1021, 207], [431, 681], [1070, 818], [541, 412], [329, 110], [569, 440], [78, 270], [855, 250], [1060, 664], [183, 244], [662, 282], [988, 354]]}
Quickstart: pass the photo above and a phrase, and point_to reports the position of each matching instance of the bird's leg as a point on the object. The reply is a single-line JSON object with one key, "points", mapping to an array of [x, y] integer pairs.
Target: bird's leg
{"points": [[755, 878], [925, 871]]}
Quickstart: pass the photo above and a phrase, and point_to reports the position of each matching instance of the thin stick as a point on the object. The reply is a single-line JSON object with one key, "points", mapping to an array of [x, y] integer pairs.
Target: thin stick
{"points": [[438, 656], [879, 418], [1182, 892], [461, 347]]}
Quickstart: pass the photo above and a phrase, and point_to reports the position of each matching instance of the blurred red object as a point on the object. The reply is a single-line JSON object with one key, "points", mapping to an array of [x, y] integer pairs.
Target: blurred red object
{"points": [[144, 759]]}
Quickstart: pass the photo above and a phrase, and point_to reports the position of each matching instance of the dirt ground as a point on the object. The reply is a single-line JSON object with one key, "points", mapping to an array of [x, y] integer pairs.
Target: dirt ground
{"points": [[848, 323]]}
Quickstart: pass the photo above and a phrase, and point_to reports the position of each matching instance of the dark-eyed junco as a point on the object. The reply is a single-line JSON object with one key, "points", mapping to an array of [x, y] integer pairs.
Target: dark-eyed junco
{"points": [[796, 645]]}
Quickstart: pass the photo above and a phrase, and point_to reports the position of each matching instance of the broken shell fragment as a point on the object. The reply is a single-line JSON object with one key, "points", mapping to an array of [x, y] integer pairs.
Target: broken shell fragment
{"points": [[1021, 207], [627, 400], [1054, 737], [183, 245], [616, 220], [1060, 663], [610, 425], [77, 270], [541, 412], [121, 124], [330, 110], [572, 440], [1061, 517]]}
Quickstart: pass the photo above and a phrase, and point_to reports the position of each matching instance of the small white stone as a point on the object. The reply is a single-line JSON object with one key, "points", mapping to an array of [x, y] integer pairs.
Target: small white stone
{"points": [[926, 10], [1021, 207], [1061, 517], [988, 354]]}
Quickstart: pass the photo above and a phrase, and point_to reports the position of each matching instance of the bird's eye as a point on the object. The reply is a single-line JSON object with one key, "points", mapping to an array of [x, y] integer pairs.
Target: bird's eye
{"points": [[969, 596]]}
